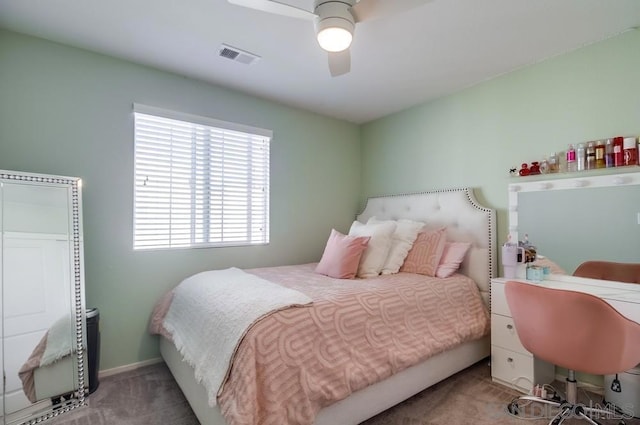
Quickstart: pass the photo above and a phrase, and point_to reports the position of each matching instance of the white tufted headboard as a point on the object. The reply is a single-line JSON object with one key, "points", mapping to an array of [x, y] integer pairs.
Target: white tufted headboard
{"points": [[464, 218]]}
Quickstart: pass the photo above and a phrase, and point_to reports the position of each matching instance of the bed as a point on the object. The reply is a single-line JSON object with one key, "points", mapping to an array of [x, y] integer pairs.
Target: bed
{"points": [[464, 220]]}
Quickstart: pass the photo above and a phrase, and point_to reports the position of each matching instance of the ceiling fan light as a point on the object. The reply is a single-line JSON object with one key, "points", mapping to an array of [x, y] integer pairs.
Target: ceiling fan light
{"points": [[335, 25], [334, 39]]}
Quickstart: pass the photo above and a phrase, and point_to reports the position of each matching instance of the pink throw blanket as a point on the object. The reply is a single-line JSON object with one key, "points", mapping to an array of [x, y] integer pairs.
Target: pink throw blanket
{"points": [[293, 362]]}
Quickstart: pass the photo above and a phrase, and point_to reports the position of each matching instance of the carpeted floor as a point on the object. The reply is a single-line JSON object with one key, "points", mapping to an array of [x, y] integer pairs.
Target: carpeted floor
{"points": [[150, 396], [145, 396]]}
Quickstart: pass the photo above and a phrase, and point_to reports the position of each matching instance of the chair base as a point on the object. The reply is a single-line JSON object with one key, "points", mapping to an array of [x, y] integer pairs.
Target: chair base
{"points": [[569, 408], [565, 409]]}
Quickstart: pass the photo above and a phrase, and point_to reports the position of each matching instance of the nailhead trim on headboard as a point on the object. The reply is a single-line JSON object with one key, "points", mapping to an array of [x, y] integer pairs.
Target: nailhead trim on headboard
{"points": [[397, 210]]}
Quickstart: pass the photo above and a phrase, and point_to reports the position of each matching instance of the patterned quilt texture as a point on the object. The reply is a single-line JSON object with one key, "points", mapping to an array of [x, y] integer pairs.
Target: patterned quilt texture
{"points": [[357, 332]]}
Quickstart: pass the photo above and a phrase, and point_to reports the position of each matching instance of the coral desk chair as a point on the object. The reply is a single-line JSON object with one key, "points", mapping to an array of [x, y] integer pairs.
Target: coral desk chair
{"points": [[609, 270], [574, 330]]}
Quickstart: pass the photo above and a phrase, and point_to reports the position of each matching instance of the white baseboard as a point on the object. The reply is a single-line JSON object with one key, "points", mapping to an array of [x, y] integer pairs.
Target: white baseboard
{"points": [[129, 367]]}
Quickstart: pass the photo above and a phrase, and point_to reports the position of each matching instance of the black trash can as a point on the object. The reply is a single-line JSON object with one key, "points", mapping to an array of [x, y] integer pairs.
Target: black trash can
{"points": [[93, 347]]}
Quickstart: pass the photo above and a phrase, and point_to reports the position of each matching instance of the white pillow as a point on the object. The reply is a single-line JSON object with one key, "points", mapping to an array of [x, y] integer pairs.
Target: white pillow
{"points": [[401, 242], [374, 256]]}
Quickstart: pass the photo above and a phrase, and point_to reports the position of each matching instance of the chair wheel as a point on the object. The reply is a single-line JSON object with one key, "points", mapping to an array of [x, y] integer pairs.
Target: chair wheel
{"points": [[513, 408], [622, 422], [556, 421]]}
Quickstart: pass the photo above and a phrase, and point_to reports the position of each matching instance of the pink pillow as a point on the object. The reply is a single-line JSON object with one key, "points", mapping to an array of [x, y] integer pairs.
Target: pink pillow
{"points": [[452, 257], [342, 255], [425, 254]]}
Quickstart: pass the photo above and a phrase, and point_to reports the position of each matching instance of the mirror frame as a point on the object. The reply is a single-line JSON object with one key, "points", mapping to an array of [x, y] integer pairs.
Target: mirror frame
{"points": [[628, 176], [73, 185]]}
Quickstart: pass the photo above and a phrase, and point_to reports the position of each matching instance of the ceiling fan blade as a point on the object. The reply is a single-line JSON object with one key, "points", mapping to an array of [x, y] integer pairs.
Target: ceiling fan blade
{"points": [[366, 10], [275, 7], [339, 62]]}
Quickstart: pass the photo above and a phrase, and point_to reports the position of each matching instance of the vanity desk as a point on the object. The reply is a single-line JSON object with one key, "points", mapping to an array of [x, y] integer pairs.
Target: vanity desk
{"points": [[511, 363], [570, 219]]}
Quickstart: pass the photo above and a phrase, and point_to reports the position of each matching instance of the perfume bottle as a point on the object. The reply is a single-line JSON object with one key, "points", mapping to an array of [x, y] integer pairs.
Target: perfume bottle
{"points": [[591, 155], [571, 159], [630, 152], [544, 165], [600, 151], [554, 163], [618, 154], [580, 157], [608, 153]]}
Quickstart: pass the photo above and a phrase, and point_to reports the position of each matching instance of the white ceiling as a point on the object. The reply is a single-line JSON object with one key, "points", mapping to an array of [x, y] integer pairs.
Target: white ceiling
{"points": [[397, 62]]}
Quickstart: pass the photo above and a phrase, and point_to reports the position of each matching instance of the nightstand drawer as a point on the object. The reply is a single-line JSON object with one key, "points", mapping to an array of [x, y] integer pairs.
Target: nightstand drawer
{"points": [[503, 334], [511, 368], [498, 300]]}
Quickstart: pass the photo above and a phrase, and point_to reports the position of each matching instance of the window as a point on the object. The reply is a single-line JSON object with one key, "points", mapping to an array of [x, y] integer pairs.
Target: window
{"points": [[199, 182]]}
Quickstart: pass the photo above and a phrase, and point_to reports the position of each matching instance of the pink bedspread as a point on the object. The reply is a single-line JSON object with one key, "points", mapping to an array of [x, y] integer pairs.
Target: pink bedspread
{"points": [[293, 362]]}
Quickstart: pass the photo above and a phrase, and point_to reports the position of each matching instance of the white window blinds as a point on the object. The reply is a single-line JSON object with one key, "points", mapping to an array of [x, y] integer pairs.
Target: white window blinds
{"points": [[199, 182]]}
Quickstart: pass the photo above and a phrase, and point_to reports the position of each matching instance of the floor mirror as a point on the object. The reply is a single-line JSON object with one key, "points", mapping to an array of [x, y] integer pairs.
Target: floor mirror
{"points": [[43, 331]]}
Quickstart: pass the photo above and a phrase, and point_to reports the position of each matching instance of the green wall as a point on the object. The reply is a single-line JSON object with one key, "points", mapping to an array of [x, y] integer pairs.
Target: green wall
{"points": [[474, 137], [69, 112]]}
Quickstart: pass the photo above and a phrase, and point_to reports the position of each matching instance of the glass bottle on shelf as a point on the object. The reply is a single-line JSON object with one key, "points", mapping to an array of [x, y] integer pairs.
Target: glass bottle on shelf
{"points": [[608, 153], [571, 159], [544, 166], [581, 158], [591, 155], [630, 151], [600, 150], [535, 168], [618, 152], [554, 163]]}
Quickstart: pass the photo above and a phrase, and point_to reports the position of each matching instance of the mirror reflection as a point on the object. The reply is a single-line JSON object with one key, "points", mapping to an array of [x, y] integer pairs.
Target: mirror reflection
{"points": [[582, 220], [41, 297]]}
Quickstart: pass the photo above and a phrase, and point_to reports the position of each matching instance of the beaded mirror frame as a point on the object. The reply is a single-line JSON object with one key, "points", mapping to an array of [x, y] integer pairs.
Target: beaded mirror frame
{"points": [[43, 410]]}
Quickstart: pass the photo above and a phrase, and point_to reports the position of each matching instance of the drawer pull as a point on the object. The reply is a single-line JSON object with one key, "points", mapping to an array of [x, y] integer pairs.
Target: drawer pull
{"points": [[509, 360], [509, 326]]}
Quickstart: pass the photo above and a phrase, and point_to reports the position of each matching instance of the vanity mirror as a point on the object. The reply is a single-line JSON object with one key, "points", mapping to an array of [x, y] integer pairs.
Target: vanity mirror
{"points": [[577, 219], [42, 299]]}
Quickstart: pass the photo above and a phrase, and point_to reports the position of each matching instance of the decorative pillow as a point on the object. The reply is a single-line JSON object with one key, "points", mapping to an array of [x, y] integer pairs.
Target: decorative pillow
{"points": [[377, 250], [424, 256], [342, 255], [401, 242], [452, 257]]}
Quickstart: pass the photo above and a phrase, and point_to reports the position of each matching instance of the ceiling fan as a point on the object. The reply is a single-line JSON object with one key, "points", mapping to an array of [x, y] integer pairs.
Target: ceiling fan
{"points": [[335, 21]]}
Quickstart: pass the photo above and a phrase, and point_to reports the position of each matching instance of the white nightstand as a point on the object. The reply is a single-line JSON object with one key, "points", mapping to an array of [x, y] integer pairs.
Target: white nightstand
{"points": [[511, 363]]}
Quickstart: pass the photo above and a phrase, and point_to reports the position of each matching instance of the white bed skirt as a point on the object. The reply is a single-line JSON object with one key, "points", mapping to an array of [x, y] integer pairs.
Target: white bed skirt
{"points": [[360, 405]]}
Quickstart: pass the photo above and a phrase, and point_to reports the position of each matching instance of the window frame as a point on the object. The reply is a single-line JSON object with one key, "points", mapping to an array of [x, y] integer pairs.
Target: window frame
{"points": [[219, 125]]}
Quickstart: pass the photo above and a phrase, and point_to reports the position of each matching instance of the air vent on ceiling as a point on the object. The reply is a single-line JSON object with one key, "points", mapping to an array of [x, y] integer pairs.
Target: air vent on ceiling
{"points": [[237, 55]]}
